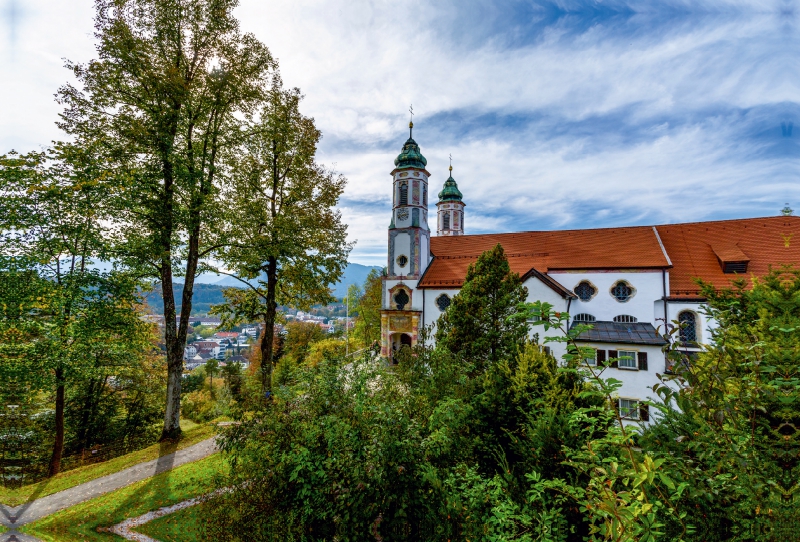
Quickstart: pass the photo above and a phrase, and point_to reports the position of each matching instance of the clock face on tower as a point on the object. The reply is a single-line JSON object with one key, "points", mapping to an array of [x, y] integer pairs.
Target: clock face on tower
{"points": [[402, 214]]}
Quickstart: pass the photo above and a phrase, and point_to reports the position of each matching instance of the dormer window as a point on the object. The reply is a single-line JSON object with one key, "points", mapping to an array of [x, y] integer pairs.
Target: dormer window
{"points": [[731, 258], [734, 267]]}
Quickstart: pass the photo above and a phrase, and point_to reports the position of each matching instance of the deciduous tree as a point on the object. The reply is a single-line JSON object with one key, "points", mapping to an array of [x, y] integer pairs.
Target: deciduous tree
{"points": [[160, 106], [287, 242]]}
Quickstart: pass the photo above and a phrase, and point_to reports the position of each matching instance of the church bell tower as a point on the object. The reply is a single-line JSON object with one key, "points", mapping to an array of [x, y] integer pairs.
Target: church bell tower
{"points": [[450, 209], [409, 250]]}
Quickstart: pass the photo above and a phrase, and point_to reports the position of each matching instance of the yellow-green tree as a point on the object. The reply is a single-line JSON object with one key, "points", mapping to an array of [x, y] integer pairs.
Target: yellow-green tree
{"points": [[286, 240], [367, 329]]}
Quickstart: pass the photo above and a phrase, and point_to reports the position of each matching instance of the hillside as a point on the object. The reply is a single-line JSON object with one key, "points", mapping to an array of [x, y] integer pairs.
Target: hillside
{"points": [[205, 295]]}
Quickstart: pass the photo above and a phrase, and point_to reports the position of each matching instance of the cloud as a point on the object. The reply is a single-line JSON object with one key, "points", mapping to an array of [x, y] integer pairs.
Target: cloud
{"points": [[559, 114]]}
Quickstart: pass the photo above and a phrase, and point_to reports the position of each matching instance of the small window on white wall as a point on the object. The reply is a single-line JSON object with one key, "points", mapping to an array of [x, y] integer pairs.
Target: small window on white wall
{"points": [[627, 359], [625, 319], [404, 194], [585, 291], [622, 291], [446, 221], [629, 409], [583, 317], [688, 331]]}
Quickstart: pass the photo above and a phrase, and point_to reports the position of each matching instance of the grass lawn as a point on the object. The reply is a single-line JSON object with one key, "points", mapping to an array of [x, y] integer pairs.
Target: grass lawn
{"points": [[182, 526], [80, 523], [192, 434]]}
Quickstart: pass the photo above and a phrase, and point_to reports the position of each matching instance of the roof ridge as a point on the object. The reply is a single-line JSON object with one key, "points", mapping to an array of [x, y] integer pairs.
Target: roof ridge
{"points": [[643, 226]]}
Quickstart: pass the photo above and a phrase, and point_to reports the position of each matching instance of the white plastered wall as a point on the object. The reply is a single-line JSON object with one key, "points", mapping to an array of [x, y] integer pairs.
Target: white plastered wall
{"points": [[603, 306]]}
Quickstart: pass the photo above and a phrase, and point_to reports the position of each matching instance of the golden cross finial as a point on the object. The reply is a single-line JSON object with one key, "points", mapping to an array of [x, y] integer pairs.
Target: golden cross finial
{"points": [[411, 123], [451, 164]]}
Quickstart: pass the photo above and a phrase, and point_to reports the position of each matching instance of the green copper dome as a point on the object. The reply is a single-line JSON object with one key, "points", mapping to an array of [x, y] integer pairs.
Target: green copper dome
{"points": [[450, 191], [410, 156]]}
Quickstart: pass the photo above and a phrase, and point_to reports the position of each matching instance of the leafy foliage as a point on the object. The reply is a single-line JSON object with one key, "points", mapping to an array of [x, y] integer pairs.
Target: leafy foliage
{"points": [[284, 233]]}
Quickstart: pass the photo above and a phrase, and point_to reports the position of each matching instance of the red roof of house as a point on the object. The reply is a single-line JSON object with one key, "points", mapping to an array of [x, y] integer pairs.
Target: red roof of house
{"points": [[695, 249], [608, 248], [226, 334], [698, 248]]}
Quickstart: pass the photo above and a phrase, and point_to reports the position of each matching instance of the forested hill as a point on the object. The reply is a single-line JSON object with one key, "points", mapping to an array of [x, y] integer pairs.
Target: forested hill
{"points": [[205, 295]]}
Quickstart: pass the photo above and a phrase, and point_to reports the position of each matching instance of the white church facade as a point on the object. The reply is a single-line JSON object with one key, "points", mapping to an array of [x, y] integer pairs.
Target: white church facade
{"points": [[627, 282]]}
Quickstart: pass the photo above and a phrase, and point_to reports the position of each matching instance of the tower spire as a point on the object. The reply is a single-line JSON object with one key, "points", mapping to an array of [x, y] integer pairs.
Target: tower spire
{"points": [[450, 207]]}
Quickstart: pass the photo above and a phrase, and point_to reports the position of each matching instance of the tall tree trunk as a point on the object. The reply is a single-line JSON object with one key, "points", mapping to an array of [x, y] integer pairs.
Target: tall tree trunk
{"points": [[58, 446], [172, 412], [267, 340]]}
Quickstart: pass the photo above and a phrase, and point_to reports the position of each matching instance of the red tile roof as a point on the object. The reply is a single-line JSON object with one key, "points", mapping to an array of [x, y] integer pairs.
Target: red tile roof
{"points": [[607, 248], [694, 250], [697, 248]]}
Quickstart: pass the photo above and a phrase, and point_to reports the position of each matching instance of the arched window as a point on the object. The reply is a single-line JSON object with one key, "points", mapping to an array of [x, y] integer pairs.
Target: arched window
{"points": [[404, 194], [585, 291], [621, 291], [625, 319], [446, 221], [688, 331], [583, 317]]}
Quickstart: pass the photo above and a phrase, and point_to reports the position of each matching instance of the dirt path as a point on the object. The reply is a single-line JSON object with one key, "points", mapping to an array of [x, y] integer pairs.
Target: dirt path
{"points": [[39, 508]]}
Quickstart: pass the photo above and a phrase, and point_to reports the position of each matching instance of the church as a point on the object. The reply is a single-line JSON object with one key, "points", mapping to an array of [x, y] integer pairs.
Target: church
{"points": [[627, 281]]}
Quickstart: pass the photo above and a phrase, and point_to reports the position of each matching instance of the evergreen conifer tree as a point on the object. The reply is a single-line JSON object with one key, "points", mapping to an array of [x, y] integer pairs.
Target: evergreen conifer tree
{"points": [[482, 323]]}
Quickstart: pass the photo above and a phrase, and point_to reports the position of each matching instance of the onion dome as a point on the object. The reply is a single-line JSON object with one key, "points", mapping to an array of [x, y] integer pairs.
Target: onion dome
{"points": [[410, 156], [450, 191]]}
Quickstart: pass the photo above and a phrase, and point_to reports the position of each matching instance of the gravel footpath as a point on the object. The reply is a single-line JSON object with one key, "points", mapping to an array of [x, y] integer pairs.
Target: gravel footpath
{"points": [[39, 508], [125, 528]]}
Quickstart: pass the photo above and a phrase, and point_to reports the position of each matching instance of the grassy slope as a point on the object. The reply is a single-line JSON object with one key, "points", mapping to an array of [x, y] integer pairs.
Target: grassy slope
{"points": [[193, 433], [183, 526], [80, 523]]}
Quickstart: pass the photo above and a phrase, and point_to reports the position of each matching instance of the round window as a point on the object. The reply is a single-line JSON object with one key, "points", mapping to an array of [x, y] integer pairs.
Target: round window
{"points": [[443, 301], [401, 299], [402, 260], [622, 291], [585, 291]]}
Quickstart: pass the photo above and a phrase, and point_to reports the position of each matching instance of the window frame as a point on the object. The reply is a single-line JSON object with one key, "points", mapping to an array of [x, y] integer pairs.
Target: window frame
{"points": [[633, 359], [681, 337], [625, 319], [627, 285], [590, 285], [625, 415]]}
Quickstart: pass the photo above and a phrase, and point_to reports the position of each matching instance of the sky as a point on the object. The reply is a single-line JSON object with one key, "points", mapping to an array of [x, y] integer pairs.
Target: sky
{"points": [[558, 114]]}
